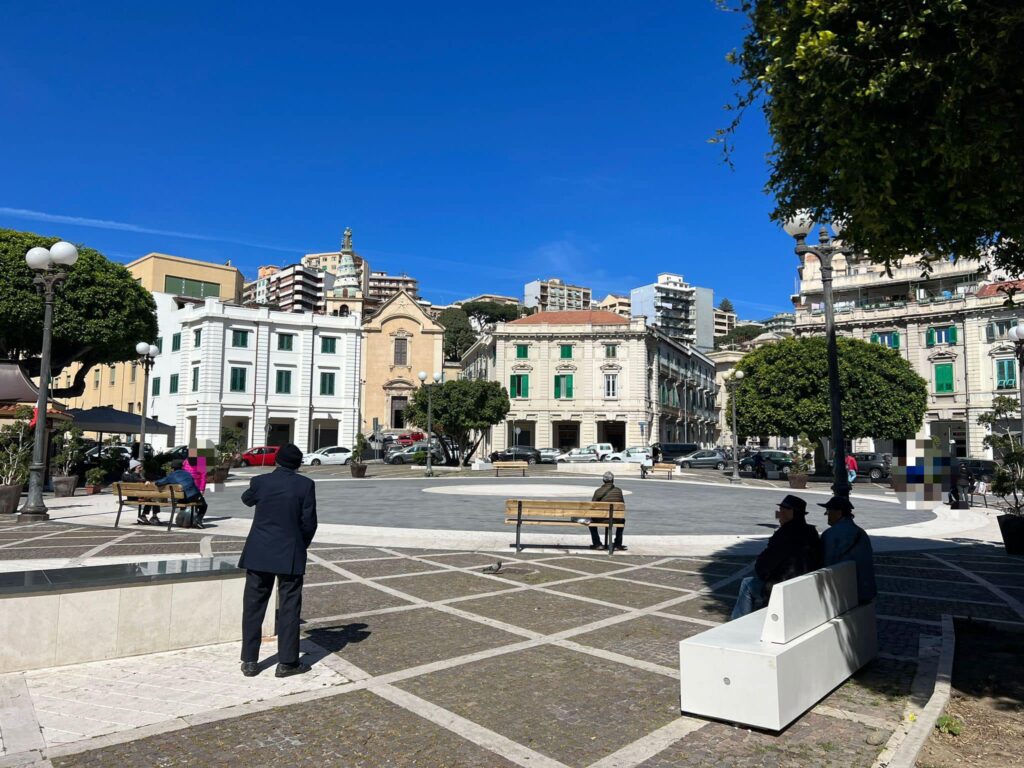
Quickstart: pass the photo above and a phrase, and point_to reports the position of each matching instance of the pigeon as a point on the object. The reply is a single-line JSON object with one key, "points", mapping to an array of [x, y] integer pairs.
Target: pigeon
{"points": [[493, 568]]}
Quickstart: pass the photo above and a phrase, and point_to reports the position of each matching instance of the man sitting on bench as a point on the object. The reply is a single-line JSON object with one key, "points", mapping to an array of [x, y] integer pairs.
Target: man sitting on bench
{"points": [[792, 551], [179, 476], [607, 492], [845, 540]]}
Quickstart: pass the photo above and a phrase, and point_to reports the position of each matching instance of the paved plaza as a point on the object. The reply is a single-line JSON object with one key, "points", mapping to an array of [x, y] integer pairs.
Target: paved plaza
{"points": [[421, 658]]}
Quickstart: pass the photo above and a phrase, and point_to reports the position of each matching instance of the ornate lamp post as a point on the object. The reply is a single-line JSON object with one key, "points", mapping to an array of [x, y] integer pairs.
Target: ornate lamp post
{"points": [[146, 354], [430, 415], [732, 381], [799, 227], [1016, 335], [43, 261]]}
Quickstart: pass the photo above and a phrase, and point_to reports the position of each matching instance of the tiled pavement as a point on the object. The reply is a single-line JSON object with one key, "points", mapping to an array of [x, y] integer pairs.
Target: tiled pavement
{"points": [[555, 660]]}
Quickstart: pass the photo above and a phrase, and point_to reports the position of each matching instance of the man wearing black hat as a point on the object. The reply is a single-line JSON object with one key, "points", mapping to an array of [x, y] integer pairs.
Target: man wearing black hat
{"points": [[845, 540], [792, 551], [282, 529]]}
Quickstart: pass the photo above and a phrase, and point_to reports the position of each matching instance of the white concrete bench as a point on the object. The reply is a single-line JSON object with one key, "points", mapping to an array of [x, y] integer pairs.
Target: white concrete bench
{"points": [[769, 667]]}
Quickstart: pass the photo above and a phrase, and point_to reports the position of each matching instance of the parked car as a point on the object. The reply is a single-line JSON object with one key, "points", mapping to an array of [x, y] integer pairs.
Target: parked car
{"points": [[178, 452], [673, 451], [408, 438], [708, 458], [982, 469], [407, 455], [549, 455], [579, 455], [602, 450], [783, 461], [526, 453], [635, 455], [262, 456], [334, 454], [875, 465]]}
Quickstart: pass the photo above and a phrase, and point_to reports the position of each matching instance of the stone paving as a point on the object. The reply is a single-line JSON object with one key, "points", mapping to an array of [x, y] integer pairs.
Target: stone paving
{"points": [[422, 659]]}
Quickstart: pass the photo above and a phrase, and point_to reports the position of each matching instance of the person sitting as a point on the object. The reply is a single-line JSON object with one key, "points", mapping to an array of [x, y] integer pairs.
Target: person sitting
{"points": [[134, 475], [178, 476], [607, 492], [845, 540], [793, 550], [196, 466]]}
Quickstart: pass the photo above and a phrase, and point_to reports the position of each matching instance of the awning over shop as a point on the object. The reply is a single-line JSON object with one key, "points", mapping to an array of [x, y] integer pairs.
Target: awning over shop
{"points": [[109, 420]]}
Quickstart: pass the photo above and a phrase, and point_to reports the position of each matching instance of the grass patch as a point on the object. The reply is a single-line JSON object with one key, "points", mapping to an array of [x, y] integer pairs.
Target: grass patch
{"points": [[949, 724]]}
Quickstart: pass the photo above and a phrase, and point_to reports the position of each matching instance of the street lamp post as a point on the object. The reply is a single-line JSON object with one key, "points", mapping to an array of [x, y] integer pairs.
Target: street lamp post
{"points": [[430, 415], [146, 354], [734, 381], [1017, 337], [799, 227], [43, 261]]}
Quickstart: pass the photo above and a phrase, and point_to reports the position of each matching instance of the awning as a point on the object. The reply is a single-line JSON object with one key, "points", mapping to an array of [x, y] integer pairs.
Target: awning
{"points": [[103, 418]]}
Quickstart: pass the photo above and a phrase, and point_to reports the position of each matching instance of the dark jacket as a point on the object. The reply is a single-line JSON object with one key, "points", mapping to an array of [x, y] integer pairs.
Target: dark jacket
{"points": [[792, 551], [182, 478], [608, 492], [284, 523]]}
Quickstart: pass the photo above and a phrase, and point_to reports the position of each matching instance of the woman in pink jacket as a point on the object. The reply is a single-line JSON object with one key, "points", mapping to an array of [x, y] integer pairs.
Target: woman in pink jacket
{"points": [[196, 466]]}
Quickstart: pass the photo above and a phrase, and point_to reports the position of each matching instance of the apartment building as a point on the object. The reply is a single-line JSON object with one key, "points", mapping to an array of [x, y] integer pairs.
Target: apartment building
{"points": [[682, 311], [294, 288], [617, 303], [725, 322], [554, 295], [383, 286], [781, 323]]}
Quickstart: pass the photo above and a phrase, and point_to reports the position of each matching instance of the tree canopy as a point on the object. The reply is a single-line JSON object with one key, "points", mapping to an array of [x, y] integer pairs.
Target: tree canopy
{"points": [[905, 120], [739, 335], [490, 312], [726, 306], [99, 315], [784, 391], [458, 333], [459, 408]]}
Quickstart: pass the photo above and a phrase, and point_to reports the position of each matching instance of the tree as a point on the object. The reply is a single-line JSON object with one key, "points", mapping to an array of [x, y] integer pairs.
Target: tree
{"points": [[905, 120], [784, 391], [491, 312], [459, 408], [726, 306], [458, 333], [739, 335], [100, 312], [1004, 421]]}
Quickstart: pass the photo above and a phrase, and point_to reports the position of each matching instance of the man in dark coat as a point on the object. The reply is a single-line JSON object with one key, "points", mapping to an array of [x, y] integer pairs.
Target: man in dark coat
{"points": [[282, 529], [793, 550], [607, 492]]}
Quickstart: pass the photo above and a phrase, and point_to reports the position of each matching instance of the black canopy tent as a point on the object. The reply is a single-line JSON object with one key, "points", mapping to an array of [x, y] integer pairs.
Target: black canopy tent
{"points": [[104, 419]]}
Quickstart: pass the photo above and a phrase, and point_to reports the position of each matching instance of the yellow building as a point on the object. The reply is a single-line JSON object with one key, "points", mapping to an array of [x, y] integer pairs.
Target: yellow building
{"points": [[400, 341], [120, 385]]}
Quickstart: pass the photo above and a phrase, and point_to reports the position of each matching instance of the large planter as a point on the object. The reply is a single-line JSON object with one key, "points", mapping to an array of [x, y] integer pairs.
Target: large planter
{"points": [[90, 490], [358, 470], [219, 475], [64, 485], [797, 480], [10, 495], [1012, 529]]}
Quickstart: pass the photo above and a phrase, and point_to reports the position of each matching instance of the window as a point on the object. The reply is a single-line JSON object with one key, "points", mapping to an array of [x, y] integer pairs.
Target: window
{"points": [[401, 352], [522, 351], [563, 386], [238, 380], [195, 379], [326, 383], [944, 335], [131, 378], [197, 289], [890, 339], [131, 407], [943, 377], [176, 342], [283, 384], [566, 351], [172, 385], [328, 345], [239, 338], [285, 342], [611, 385], [197, 338], [156, 386], [610, 350], [113, 375], [519, 385], [159, 343], [96, 379], [998, 329], [1006, 374]]}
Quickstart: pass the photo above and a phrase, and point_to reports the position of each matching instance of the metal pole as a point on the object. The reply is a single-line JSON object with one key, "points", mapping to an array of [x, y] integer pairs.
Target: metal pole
{"points": [[430, 444], [35, 509], [735, 442], [1020, 381], [840, 485], [142, 419]]}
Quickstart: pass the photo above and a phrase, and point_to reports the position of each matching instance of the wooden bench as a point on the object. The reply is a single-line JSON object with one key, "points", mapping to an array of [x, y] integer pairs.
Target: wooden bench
{"points": [[767, 668], [143, 494], [665, 466], [520, 512], [513, 465]]}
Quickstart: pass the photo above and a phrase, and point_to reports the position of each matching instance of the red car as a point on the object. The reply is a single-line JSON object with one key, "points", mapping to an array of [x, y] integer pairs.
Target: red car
{"points": [[408, 438], [259, 457]]}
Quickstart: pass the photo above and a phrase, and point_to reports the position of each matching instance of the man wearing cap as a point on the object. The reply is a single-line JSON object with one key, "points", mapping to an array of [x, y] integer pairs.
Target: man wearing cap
{"points": [[275, 549], [607, 492], [845, 540], [792, 551]]}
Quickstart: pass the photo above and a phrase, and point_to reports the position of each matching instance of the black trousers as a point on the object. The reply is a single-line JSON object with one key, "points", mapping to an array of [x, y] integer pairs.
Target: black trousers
{"points": [[258, 585], [595, 535]]}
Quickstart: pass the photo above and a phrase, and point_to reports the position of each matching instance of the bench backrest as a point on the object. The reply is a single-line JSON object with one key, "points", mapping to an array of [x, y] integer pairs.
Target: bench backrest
{"points": [[149, 492], [511, 463], [557, 509], [665, 465], [799, 605]]}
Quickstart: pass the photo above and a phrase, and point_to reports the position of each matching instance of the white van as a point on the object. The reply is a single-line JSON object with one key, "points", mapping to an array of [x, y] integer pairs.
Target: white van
{"points": [[603, 450]]}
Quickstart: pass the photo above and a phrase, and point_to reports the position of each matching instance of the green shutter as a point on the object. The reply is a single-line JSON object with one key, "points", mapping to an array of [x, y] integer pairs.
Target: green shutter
{"points": [[567, 351], [874, 338], [929, 337], [951, 336], [156, 386], [944, 377], [895, 339], [558, 387], [173, 385], [568, 384], [525, 384], [511, 386]]}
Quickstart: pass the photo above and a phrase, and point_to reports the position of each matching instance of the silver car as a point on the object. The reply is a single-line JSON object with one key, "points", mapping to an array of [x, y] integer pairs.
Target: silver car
{"points": [[549, 455], [579, 455]]}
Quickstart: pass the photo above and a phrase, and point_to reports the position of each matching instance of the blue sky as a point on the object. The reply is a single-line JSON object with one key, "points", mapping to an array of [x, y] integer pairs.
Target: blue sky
{"points": [[473, 146]]}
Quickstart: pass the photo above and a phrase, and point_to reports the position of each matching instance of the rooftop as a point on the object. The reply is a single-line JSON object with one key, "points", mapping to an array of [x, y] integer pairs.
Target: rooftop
{"points": [[573, 317]]}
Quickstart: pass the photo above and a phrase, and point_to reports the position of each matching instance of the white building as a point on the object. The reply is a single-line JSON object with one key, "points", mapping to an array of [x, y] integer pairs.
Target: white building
{"points": [[278, 376], [554, 295], [682, 311], [294, 288]]}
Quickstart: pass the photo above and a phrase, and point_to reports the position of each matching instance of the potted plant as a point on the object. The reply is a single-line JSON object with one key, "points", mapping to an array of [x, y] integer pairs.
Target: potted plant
{"points": [[15, 455], [94, 480], [1008, 481], [356, 465], [803, 460], [68, 449], [229, 449]]}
